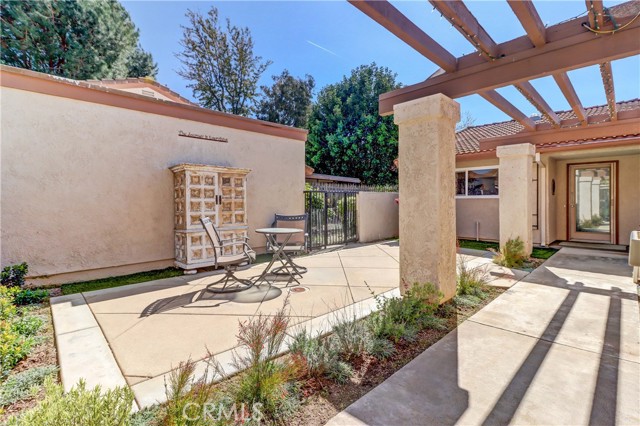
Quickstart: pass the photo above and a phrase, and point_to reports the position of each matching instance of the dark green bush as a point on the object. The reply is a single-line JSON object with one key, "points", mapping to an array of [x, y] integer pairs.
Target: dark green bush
{"points": [[28, 297], [13, 276]]}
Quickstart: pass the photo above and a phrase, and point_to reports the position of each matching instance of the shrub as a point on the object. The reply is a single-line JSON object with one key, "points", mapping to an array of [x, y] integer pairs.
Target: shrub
{"points": [[266, 378], [186, 397], [16, 332], [471, 281], [402, 318], [27, 325], [13, 276], [28, 297], [382, 348], [512, 254], [24, 384], [318, 356], [79, 406], [351, 337]]}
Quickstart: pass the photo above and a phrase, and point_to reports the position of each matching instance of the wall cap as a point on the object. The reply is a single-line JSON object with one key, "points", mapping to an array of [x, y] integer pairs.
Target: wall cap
{"points": [[429, 108], [519, 150]]}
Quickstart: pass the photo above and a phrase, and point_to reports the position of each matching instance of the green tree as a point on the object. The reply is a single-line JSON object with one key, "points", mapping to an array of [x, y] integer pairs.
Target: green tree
{"points": [[84, 39], [287, 101], [347, 136], [220, 63]]}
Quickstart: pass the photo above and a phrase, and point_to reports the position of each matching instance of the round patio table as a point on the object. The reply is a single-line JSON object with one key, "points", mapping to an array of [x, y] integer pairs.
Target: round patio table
{"points": [[279, 254]]}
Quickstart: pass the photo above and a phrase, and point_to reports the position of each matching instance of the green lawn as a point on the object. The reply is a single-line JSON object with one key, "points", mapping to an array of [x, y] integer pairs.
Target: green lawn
{"points": [[119, 281], [543, 252], [478, 245], [538, 252], [140, 277]]}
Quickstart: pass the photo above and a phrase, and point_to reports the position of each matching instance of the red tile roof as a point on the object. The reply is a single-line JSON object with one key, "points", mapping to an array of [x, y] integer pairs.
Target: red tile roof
{"points": [[468, 140]]}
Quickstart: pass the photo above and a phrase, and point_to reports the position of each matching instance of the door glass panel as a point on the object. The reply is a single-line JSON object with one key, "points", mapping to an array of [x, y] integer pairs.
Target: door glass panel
{"points": [[593, 199]]}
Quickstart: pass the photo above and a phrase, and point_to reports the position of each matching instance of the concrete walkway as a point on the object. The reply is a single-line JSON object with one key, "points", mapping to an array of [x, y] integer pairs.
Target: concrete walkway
{"points": [[562, 346]]}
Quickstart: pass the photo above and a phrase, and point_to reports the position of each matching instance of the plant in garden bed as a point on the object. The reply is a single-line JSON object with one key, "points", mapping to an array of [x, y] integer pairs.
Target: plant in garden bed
{"points": [[13, 276], [471, 283], [24, 384], [319, 357], [17, 331], [512, 254], [80, 406]]}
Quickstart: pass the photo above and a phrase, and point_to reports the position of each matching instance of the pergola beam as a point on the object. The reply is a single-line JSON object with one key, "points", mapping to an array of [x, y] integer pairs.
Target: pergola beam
{"points": [[507, 107], [563, 82], [528, 16], [595, 10], [531, 22], [607, 80], [385, 14], [569, 46], [531, 94], [464, 21]]}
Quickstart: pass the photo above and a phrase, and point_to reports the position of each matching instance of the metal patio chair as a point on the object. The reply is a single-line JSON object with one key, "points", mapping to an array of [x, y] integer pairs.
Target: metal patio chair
{"points": [[298, 243], [230, 262]]}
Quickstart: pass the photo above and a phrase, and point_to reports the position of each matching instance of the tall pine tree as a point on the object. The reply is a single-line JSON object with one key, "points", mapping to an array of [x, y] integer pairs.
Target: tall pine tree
{"points": [[83, 39]]}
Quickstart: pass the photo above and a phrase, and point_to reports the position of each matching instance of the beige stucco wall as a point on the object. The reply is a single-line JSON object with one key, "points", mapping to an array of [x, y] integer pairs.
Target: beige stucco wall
{"points": [[485, 211], [87, 187], [377, 216], [628, 193]]}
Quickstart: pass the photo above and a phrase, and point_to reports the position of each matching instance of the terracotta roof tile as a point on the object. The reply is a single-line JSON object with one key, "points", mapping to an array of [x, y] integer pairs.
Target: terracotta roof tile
{"points": [[468, 140]]}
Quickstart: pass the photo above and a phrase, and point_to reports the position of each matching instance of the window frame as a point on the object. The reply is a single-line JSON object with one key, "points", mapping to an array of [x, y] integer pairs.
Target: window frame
{"points": [[466, 195]]}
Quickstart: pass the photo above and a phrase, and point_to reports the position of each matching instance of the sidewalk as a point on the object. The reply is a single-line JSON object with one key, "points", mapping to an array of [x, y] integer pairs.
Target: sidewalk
{"points": [[562, 346]]}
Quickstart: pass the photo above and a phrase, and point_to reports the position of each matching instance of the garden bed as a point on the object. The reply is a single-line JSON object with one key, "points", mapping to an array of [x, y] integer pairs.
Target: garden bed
{"points": [[42, 360], [324, 399]]}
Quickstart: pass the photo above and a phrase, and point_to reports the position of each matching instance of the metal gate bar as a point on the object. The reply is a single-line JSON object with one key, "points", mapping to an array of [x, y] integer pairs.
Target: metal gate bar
{"points": [[332, 217]]}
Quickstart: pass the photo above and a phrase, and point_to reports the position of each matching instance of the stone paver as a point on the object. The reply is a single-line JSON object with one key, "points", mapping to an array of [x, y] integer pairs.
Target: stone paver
{"points": [[559, 347]]}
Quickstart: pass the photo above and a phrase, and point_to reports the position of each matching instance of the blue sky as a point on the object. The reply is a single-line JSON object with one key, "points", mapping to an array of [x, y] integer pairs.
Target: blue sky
{"points": [[327, 39]]}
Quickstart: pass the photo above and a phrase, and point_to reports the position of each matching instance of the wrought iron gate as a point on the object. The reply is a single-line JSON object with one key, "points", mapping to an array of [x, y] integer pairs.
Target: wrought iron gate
{"points": [[332, 217]]}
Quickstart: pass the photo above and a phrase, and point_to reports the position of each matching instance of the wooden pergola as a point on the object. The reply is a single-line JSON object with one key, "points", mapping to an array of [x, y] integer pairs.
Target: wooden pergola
{"points": [[606, 34]]}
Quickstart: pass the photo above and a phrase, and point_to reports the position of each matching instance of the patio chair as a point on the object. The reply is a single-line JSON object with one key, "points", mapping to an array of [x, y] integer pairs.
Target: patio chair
{"points": [[298, 243], [230, 262]]}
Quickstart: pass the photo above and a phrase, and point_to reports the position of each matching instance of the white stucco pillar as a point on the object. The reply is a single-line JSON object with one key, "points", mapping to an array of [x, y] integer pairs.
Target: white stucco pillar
{"points": [[516, 193], [426, 156]]}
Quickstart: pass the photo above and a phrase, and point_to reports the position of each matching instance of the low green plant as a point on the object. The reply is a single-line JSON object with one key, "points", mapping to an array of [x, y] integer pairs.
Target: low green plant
{"points": [[467, 300], [16, 331], [382, 348], [471, 280], [22, 385], [79, 406], [543, 252], [319, 357], [13, 275], [350, 337], [512, 254], [149, 416], [29, 297], [27, 325], [403, 318]]}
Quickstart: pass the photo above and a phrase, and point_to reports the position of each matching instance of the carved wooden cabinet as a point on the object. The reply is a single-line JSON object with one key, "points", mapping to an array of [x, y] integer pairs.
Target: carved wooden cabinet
{"points": [[219, 193]]}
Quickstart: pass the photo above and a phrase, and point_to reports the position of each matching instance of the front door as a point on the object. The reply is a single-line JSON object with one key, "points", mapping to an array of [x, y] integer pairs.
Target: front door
{"points": [[592, 202]]}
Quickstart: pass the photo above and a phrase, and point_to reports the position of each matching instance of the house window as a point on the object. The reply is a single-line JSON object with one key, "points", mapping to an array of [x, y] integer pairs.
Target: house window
{"points": [[477, 182]]}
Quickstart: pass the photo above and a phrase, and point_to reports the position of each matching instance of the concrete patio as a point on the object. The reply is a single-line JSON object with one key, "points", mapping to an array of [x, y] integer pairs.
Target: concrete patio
{"points": [[136, 334], [562, 346]]}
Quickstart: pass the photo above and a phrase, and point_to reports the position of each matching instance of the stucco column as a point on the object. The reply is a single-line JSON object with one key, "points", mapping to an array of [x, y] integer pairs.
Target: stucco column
{"points": [[426, 155], [516, 193]]}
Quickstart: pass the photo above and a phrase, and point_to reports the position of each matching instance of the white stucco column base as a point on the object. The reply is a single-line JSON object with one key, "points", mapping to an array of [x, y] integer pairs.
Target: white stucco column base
{"points": [[516, 193], [426, 156]]}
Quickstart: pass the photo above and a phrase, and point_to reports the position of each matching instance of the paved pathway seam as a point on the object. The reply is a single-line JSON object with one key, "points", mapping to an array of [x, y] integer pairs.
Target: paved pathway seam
{"points": [[83, 352]]}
